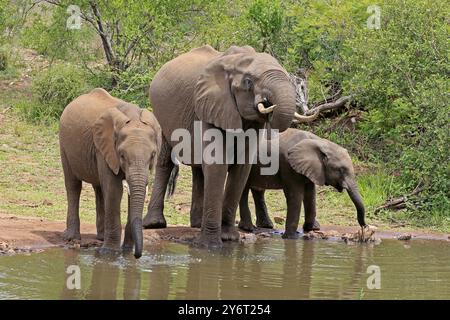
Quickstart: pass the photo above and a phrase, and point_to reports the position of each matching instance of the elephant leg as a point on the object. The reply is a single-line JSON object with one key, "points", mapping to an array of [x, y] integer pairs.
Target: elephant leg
{"points": [[113, 227], [128, 241], [310, 208], [100, 212], [245, 223], [154, 218], [294, 198], [215, 176], [197, 197], [236, 180], [262, 216], [73, 190]]}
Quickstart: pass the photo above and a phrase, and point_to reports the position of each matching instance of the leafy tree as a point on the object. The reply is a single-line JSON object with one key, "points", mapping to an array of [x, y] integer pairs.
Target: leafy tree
{"points": [[399, 74], [268, 18]]}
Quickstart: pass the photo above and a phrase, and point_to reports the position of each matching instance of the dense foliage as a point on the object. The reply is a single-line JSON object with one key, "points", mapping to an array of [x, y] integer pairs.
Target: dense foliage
{"points": [[397, 72], [54, 90]]}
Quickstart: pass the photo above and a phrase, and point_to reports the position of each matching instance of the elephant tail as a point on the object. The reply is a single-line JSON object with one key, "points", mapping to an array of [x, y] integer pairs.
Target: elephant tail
{"points": [[171, 185]]}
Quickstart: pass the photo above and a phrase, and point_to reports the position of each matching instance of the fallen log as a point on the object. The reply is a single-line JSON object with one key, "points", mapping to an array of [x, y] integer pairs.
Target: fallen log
{"points": [[400, 202]]}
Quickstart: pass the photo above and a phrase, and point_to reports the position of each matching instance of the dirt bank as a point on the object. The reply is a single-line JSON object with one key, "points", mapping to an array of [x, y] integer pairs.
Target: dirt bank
{"points": [[29, 234]]}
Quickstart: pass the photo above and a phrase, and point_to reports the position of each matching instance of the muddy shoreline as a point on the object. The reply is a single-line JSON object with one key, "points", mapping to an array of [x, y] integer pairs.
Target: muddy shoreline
{"points": [[31, 234]]}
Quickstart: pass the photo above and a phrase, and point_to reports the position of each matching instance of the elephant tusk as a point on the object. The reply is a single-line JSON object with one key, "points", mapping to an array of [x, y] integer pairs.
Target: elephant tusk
{"points": [[302, 119], [126, 186], [265, 110], [146, 189]]}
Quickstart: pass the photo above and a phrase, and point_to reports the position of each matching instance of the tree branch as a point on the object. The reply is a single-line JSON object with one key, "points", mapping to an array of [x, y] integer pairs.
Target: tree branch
{"points": [[110, 56], [398, 203], [333, 98], [339, 103]]}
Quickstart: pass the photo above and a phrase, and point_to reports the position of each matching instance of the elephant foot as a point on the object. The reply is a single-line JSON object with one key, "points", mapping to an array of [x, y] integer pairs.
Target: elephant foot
{"points": [[69, 235], [264, 224], [196, 216], [311, 226], [100, 236], [154, 221], [290, 235], [246, 226], [196, 223], [229, 233], [208, 242]]}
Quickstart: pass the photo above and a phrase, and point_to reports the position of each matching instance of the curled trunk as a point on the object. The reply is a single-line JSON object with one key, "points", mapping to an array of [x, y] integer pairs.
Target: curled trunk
{"points": [[284, 99]]}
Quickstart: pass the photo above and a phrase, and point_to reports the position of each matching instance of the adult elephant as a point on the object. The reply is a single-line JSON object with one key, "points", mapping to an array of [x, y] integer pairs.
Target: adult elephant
{"points": [[235, 89], [306, 160], [108, 142]]}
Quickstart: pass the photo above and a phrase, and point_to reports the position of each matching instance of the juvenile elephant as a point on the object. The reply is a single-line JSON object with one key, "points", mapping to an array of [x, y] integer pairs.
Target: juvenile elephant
{"points": [[305, 161], [235, 89], [108, 143]]}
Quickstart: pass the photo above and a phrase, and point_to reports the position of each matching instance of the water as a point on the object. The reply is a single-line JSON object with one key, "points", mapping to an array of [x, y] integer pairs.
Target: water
{"points": [[267, 269]]}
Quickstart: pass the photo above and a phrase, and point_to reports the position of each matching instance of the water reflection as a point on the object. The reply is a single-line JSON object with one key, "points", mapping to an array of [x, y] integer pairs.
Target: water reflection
{"points": [[267, 269], [69, 259]]}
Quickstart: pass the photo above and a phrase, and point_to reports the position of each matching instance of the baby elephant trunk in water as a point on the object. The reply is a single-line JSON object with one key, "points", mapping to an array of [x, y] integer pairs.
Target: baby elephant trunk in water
{"points": [[137, 188], [353, 193]]}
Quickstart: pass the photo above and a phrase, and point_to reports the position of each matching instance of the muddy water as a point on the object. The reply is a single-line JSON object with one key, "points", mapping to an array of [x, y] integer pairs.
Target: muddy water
{"points": [[267, 269]]}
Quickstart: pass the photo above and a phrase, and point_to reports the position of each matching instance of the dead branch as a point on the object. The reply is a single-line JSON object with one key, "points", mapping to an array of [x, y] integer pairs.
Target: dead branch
{"points": [[339, 103], [333, 98], [399, 203], [110, 56], [301, 90], [310, 114]]}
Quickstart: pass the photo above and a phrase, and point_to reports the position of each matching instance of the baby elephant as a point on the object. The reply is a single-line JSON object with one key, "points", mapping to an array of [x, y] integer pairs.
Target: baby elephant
{"points": [[108, 143], [305, 161]]}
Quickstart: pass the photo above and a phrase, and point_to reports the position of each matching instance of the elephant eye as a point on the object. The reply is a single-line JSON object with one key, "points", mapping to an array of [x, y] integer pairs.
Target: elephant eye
{"points": [[248, 84]]}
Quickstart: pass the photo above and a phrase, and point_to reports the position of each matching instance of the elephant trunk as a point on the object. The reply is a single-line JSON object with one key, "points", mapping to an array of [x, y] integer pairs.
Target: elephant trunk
{"points": [[353, 193], [283, 96], [137, 183]]}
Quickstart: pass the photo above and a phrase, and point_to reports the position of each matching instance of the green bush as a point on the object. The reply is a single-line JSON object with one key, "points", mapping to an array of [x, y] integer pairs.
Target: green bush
{"points": [[46, 33], [53, 90], [425, 158], [267, 17], [132, 86], [399, 74]]}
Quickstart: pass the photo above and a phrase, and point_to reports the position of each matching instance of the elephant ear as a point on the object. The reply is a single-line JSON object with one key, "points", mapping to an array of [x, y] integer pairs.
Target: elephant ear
{"points": [[306, 158], [104, 131], [149, 119], [214, 101]]}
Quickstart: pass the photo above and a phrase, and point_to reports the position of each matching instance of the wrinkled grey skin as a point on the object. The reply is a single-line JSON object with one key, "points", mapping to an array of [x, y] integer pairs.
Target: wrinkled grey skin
{"points": [[305, 161], [223, 91], [104, 140]]}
